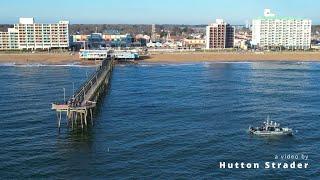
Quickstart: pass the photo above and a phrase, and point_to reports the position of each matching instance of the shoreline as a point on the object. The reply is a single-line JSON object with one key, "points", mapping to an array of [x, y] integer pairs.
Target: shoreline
{"points": [[190, 57]]}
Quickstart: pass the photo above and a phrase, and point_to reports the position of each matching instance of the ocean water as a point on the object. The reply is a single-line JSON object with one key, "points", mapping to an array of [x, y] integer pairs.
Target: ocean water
{"points": [[161, 121]]}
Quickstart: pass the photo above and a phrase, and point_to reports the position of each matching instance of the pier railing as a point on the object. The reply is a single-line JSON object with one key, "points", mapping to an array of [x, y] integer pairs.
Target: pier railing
{"points": [[86, 96]]}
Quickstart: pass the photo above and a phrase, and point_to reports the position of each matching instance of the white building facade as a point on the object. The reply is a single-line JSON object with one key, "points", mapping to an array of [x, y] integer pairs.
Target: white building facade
{"points": [[288, 32], [30, 35], [9, 40]]}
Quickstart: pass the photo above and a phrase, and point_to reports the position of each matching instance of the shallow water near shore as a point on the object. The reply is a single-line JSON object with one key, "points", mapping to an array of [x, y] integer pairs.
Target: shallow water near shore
{"points": [[161, 121]]}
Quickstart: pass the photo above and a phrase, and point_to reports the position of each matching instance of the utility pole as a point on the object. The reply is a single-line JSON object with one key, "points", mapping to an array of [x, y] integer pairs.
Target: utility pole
{"points": [[64, 94], [73, 89]]}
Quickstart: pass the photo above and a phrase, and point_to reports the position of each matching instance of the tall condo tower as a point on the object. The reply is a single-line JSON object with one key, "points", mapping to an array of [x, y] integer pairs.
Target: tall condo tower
{"points": [[219, 35]]}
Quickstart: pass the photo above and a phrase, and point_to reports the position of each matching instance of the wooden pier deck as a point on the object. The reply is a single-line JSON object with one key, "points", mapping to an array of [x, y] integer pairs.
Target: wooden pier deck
{"points": [[79, 107]]}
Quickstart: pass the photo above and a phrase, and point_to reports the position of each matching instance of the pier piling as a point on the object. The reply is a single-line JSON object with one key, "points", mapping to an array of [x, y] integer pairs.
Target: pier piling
{"points": [[86, 97]]}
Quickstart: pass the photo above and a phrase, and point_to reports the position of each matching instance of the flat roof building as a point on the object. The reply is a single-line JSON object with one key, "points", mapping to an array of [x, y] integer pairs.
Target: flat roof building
{"points": [[29, 35], [219, 35], [272, 31]]}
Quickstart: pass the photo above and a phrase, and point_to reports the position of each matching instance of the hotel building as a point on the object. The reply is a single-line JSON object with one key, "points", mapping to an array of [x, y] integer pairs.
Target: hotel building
{"points": [[289, 32], [28, 35], [9, 40], [219, 35]]}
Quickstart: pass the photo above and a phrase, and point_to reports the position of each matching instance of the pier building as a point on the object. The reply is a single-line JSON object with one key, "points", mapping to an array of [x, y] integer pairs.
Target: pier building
{"points": [[108, 53]]}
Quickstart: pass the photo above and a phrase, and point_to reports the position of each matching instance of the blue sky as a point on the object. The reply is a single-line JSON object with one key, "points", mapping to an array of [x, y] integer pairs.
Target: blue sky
{"points": [[153, 11]]}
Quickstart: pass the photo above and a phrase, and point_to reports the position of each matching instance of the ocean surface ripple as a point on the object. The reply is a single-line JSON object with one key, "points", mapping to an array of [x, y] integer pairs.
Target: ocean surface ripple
{"points": [[161, 121]]}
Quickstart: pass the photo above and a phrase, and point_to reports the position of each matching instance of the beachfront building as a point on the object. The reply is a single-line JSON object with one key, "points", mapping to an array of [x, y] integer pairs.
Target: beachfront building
{"points": [[219, 35], [141, 40], [271, 31], [9, 40], [102, 40], [28, 35], [95, 41], [194, 43]]}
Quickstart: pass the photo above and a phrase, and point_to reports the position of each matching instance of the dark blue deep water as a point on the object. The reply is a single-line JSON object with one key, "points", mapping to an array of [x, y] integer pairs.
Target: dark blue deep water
{"points": [[161, 121]]}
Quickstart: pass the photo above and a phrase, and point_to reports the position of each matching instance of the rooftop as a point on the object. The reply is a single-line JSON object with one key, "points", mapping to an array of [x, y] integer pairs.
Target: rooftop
{"points": [[23, 20], [271, 16], [280, 18]]}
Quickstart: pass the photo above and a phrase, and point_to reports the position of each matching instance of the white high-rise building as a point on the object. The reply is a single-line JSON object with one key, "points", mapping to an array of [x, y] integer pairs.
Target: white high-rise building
{"points": [[288, 32], [30, 35]]}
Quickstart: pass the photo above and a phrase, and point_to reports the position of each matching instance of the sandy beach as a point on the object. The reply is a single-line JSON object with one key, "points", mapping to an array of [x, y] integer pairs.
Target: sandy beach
{"points": [[231, 56], [41, 58], [66, 58]]}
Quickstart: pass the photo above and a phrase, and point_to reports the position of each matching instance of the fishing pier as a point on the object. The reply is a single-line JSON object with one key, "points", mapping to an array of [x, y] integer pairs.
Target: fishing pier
{"points": [[79, 108]]}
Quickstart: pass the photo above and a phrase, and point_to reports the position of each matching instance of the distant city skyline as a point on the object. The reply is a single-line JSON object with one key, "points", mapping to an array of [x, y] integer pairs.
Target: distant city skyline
{"points": [[153, 12]]}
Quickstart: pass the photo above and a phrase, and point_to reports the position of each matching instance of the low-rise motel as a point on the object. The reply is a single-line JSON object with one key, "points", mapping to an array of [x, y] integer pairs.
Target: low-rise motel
{"points": [[28, 35]]}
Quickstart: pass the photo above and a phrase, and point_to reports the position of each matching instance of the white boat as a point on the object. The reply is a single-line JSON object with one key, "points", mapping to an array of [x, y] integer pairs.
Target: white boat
{"points": [[270, 128]]}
